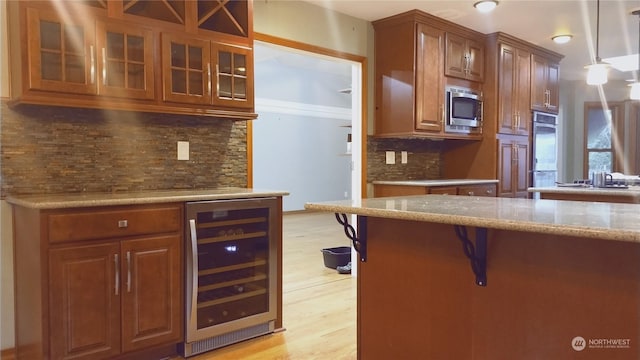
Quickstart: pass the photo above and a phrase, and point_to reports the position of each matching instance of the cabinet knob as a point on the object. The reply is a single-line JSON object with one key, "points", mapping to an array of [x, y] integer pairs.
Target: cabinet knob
{"points": [[123, 224]]}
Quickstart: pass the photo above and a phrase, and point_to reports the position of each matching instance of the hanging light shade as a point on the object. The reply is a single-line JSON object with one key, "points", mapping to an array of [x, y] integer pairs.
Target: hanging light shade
{"points": [[597, 73], [634, 94]]}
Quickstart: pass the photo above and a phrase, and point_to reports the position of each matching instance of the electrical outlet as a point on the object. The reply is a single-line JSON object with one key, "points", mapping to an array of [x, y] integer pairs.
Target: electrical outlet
{"points": [[183, 150], [404, 157], [391, 157]]}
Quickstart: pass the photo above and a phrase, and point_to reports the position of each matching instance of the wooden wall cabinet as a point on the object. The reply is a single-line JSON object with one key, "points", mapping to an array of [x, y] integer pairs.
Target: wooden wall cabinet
{"points": [[514, 78], [545, 83], [98, 282], [513, 166], [465, 58], [410, 76], [198, 71], [112, 55]]}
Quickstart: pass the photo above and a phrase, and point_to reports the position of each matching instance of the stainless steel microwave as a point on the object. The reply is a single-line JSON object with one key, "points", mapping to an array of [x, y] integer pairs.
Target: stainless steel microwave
{"points": [[463, 111]]}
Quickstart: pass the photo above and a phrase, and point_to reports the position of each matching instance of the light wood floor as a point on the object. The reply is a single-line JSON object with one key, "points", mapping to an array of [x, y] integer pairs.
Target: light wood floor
{"points": [[319, 304]]}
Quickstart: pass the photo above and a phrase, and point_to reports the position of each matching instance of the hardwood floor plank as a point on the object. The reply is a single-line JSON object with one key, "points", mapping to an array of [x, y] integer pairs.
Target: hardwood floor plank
{"points": [[319, 304]]}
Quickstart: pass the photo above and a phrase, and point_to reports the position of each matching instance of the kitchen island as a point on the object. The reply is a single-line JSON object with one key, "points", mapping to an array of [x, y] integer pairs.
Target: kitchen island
{"points": [[617, 194], [453, 277]]}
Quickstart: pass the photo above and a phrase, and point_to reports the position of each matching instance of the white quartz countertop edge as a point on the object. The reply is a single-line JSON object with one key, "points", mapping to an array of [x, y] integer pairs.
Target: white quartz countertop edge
{"points": [[445, 182], [590, 220], [58, 201]]}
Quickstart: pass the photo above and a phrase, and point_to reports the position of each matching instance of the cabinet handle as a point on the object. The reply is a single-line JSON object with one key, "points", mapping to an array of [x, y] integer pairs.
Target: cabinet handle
{"points": [[92, 69], [471, 193], [217, 80], [489, 192], [116, 261], [128, 271], [104, 66], [192, 269], [209, 79], [444, 117], [123, 224]]}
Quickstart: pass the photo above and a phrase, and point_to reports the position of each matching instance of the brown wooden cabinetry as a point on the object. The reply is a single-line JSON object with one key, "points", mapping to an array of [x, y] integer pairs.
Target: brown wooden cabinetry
{"points": [[545, 83], [465, 58], [514, 79], [113, 54], [482, 189], [513, 166], [107, 281], [410, 75]]}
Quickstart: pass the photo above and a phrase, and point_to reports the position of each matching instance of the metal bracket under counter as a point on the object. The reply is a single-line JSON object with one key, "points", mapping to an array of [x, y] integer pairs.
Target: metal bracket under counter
{"points": [[359, 242], [477, 254]]}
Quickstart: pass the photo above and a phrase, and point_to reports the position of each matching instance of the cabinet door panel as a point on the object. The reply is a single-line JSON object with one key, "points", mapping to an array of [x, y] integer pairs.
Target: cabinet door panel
{"points": [[505, 168], [507, 112], [475, 66], [456, 58], [186, 70], [152, 291], [522, 171], [429, 80], [233, 76], [62, 55], [553, 85], [84, 303], [523, 91], [126, 60]]}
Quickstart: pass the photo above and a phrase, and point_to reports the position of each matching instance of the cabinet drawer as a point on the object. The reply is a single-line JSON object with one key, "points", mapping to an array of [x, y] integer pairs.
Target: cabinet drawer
{"points": [[443, 190], [113, 222], [477, 190]]}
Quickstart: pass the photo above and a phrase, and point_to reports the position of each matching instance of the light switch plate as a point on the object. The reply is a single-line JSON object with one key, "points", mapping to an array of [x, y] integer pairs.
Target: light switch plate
{"points": [[391, 157], [404, 157], [183, 150]]}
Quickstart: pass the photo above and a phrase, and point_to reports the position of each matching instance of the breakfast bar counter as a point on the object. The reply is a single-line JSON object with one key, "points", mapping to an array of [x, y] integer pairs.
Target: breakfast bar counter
{"points": [[481, 278]]}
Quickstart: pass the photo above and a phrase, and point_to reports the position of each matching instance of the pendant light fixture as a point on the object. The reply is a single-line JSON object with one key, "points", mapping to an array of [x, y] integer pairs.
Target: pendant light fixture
{"points": [[597, 73], [634, 94]]}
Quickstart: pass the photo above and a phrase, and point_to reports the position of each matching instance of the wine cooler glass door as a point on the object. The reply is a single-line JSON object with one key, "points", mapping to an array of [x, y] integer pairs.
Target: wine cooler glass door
{"points": [[231, 273]]}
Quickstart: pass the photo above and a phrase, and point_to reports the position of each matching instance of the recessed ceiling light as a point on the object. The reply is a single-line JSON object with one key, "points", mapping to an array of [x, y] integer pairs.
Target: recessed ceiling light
{"points": [[485, 6], [562, 39]]}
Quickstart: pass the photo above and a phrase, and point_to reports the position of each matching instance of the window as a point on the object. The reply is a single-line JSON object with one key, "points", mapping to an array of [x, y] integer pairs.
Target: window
{"points": [[603, 141]]}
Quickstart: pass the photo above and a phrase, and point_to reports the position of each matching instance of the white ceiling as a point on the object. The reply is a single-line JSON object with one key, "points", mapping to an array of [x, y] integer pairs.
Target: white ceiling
{"points": [[533, 21]]}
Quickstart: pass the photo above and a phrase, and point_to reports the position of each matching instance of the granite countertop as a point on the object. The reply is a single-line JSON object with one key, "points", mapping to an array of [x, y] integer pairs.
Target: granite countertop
{"points": [[608, 221], [58, 201], [443, 182], [589, 190]]}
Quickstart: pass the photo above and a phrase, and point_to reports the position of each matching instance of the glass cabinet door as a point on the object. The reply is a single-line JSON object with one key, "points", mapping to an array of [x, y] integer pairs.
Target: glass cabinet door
{"points": [[231, 276], [233, 76], [186, 72], [62, 57], [126, 61]]}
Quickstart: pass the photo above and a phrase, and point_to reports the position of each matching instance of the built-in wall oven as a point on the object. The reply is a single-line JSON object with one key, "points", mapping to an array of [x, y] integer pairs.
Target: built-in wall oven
{"points": [[231, 272]]}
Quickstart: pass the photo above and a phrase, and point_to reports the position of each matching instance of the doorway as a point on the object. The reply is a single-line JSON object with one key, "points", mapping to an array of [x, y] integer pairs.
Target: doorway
{"points": [[308, 137]]}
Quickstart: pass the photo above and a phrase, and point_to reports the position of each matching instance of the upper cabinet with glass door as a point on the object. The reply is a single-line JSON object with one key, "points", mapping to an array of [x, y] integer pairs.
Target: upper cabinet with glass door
{"points": [[180, 56]]}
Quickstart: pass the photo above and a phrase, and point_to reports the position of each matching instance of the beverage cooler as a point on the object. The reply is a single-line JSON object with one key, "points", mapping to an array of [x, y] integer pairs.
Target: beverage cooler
{"points": [[231, 272]]}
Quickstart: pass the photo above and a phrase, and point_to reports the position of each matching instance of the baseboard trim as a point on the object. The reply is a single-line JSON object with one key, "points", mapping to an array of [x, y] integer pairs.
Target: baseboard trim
{"points": [[8, 354]]}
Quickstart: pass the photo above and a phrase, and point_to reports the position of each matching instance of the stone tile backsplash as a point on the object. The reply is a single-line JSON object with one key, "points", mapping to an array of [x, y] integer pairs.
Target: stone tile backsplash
{"points": [[69, 150], [424, 159]]}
